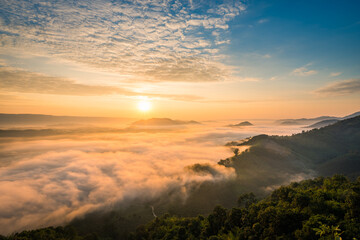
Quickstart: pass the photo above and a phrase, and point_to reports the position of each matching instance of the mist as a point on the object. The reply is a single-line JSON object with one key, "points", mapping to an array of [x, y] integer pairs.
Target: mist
{"points": [[53, 180]]}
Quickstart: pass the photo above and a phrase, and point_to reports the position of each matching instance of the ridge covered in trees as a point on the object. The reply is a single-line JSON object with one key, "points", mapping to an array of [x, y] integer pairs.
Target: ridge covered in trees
{"points": [[319, 152], [320, 208]]}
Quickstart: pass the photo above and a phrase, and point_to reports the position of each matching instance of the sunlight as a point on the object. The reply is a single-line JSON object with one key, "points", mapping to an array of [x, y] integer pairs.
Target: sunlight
{"points": [[144, 106]]}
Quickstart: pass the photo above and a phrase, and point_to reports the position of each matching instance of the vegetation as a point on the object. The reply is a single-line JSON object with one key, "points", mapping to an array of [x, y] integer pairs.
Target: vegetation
{"points": [[321, 208]]}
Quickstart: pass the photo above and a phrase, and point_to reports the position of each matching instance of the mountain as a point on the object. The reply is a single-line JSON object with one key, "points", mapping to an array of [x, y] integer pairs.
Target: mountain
{"points": [[352, 115], [322, 123], [41, 119], [303, 121], [242, 124], [303, 210], [162, 122], [327, 122], [328, 207], [325, 151]]}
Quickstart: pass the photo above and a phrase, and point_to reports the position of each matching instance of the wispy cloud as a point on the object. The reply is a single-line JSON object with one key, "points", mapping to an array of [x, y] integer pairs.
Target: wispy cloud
{"points": [[18, 80], [273, 78], [335, 74], [264, 20], [340, 88], [146, 40], [303, 71]]}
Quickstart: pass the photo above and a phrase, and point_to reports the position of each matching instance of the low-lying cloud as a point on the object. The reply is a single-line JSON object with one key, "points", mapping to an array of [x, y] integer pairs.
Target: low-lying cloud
{"points": [[50, 182]]}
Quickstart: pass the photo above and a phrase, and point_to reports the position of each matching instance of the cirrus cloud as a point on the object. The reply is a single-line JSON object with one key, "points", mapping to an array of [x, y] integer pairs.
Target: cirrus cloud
{"points": [[145, 40]]}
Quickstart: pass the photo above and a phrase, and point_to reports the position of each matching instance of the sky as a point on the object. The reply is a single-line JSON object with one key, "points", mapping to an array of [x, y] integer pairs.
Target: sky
{"points": [[182, 59]]}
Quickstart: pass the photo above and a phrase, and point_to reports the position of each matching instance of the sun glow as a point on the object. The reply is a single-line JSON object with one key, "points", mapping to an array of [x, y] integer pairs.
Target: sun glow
{"points": [[144, 106]]}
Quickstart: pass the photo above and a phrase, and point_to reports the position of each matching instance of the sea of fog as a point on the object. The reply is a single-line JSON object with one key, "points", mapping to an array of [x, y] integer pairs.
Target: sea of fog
{"points": [[50, 180]]}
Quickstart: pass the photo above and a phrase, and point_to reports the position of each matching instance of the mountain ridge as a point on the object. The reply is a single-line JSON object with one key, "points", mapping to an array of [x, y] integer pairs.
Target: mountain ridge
{"points": [[306, 152], [162, 122]]}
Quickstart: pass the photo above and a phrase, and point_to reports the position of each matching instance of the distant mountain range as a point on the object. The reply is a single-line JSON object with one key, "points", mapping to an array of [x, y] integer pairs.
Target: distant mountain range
{"points": [[24, 119], [162, 122], [303, 121], [327, 122], [242, 124], [321, 121]]}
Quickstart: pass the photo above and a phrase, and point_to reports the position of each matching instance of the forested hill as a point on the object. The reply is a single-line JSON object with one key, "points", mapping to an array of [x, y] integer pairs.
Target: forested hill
{"points": [[325, 151], [322, 208]]}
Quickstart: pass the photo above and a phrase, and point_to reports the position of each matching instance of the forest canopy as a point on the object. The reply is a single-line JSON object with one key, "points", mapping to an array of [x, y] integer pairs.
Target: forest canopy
{"points": [[320, 208]]}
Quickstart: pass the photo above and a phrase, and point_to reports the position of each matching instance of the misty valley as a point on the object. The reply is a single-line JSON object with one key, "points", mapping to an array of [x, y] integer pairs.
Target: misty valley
{"points": [[179, 120], [160, 178]]}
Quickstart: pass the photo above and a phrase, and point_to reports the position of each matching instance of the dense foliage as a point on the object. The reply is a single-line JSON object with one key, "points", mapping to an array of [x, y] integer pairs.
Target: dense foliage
{"points": [[322, 208]]}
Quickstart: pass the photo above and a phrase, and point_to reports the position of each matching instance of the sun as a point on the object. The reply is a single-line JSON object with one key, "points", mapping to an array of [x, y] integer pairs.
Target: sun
{"points": [[144, 106]]}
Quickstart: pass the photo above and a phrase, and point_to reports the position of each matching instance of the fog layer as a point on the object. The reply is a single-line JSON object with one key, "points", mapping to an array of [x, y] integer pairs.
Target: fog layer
{"points": [[50, 181]]}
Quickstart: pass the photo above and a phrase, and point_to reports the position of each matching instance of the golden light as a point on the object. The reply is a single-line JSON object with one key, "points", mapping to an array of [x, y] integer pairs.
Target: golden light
{"points": [[144, 106]]}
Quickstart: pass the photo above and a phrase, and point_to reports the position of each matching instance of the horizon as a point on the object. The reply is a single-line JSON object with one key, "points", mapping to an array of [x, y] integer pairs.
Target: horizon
{"points": [[189, 119]]}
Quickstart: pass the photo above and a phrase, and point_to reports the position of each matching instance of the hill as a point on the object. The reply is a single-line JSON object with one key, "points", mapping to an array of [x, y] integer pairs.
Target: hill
{"points": [[242, 124], [309, 153], [161, 122], [325, 123], [303, 121], [41, 118], [351, 115], [328, 207]]}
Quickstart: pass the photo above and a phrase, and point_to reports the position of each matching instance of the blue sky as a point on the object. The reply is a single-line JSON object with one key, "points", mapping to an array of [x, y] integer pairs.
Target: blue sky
{"points": [[325, 33], [194, 56]]}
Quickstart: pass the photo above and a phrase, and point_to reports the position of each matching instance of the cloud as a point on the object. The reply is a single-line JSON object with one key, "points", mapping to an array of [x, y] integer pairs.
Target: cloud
{"points": [[263, 21], [273, 78], [303, 72], [54, 180], [140, 39], [49, 182], [18, 80], [340, 88], [335, 74]]}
